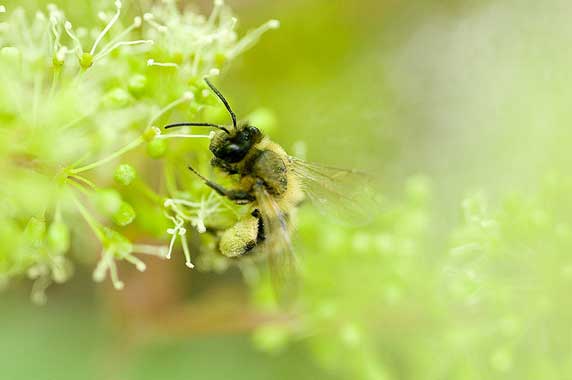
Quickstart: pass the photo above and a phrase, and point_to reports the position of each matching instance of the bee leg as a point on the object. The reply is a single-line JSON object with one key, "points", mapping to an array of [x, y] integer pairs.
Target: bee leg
{"points": [[241, 238], [261, 233], [218, 163], [238, 196]]}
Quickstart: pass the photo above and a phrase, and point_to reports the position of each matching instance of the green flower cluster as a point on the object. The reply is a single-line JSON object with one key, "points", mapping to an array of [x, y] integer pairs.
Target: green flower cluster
{"points": [[80, 111]]}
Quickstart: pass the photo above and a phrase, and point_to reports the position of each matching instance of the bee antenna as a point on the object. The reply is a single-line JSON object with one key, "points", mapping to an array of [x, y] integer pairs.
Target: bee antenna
{"points": [[197, 125], [223, 100]]}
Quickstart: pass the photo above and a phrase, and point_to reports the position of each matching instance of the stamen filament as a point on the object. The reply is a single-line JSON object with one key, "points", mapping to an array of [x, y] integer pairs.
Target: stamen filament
{"points": [[107, 27], [134, 144], [136, 24], [186, 96], [151, 62], [186, 252], [152, 250], [150, 19], [247, 41], [77, 43], [119, 44], [93, 224], [117, 284], [140, 265]]}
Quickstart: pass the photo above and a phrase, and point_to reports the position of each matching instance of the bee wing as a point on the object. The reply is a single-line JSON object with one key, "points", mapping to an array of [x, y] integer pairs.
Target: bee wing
{"points": [[281, 258], [341, 193]]}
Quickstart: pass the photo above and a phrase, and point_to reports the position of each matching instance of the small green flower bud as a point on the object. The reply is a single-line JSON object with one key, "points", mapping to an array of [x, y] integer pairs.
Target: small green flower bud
{"points": [[85, 61], [124, 174], [156, 148], [59, 237], [116, 98], [35, 232], [124, 215], [137, 84], [150, 133], [108, 201], [263, 119], [56, 62]]}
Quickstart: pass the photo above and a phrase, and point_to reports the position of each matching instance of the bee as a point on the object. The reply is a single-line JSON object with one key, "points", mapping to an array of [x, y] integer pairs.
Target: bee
{"points": [[272, 183]]}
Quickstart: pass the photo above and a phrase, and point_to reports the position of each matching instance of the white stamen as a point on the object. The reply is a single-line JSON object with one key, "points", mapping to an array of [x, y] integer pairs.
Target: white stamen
{"points": [[186, 97], [247, 41], [186, 252], [107, 27], [151, 62], [2, 9], [200, 225], [150, 19], [152, 250], [123, 43], [216, 11], [214, 72], [140, 265], [136, 24], [117, 284], [183, 202], [274, 24], [171, 245], [68, 28], [101, 268]]}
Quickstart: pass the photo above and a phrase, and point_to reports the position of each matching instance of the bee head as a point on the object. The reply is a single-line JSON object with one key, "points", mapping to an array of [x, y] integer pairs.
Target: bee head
{"points": [[229, 145], [233, 147]]}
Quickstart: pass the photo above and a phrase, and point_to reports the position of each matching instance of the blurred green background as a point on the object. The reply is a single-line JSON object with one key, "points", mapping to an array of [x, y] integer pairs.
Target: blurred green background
{"points": [[460, 111]]}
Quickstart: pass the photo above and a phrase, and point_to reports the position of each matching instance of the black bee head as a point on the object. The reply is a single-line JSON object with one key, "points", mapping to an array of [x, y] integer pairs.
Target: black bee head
{"points": [[233, 147]]}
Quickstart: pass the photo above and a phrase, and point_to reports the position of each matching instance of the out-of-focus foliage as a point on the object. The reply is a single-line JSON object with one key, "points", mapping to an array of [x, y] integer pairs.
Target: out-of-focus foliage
{"points": [[459, 109]]}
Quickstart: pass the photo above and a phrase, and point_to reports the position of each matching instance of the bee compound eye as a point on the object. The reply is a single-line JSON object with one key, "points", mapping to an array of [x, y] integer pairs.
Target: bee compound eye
{"points": [[232, 148], [233, 152]]}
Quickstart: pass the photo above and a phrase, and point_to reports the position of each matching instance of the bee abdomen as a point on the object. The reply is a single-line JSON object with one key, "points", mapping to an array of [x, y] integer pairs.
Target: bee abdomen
{"points": [[270, 167]]}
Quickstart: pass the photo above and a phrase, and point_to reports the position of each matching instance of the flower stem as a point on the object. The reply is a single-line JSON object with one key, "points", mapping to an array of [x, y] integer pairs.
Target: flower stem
{"points": [[93, 224], [148, 192], [134, 144]]}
